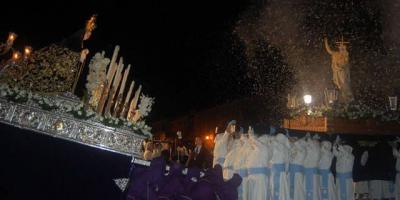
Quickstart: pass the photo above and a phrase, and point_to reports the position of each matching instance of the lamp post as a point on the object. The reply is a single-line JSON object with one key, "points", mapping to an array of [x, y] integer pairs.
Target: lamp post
{"points": [[331, 96], [292, 101], [393, 103]]}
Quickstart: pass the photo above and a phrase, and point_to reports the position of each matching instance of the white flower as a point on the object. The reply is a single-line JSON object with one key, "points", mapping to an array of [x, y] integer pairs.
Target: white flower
{"points": [[145, 105], [89, 112], [79, 112], [3, 93]]}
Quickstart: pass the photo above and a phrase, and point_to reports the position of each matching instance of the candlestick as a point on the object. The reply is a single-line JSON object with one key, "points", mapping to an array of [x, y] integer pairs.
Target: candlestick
{"points": [[11, 37], [117, 106], [110, 74], [125, 106], [116, 83], [80, 67], [132, 107], [5, 48]]}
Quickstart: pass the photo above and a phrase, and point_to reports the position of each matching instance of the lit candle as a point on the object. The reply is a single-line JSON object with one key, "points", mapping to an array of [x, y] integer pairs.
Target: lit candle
{"points": [[16, 55], [27, 50], [11, 37]]}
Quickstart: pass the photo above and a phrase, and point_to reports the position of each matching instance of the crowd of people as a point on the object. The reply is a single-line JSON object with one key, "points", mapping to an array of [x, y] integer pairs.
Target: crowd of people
{"points": [[260, 165], [279, 167], [179, 152]]}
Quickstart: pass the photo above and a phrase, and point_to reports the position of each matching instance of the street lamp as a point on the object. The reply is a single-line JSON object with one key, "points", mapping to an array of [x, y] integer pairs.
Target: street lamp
{"points": [[393, 103]]}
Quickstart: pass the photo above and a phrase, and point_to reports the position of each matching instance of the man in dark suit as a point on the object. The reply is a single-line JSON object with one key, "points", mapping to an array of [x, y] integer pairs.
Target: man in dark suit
{"points": [[199, 157]]}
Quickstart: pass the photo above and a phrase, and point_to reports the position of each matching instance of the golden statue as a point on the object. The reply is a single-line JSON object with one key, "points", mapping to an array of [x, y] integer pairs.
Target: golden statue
{"points": [[95, 96], [341, 70]]}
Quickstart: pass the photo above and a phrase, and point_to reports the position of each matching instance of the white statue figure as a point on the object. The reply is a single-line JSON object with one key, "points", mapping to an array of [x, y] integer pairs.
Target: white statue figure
{"points": [[296, 170], [257, 167], [96, 77], [311, 162], [341, 70], [280, 160], [344, 172], [327, 181]]}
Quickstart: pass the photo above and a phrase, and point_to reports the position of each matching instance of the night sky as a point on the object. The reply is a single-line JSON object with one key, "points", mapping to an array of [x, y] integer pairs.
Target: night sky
{"points": [[187, 54], [172, 45]]}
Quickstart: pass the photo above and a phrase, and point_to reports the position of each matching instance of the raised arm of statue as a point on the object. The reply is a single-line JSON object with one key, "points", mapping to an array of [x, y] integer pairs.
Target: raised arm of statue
{"points": [[328, 49]]}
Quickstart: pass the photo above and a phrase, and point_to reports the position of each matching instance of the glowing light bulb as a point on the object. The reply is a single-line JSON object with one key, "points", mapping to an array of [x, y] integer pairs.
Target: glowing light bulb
{"points": [[307, 99]]}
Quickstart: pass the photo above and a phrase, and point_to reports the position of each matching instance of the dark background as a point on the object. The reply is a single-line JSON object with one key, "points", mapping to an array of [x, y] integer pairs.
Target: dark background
{"points": [[35, 166], [194, 55], [172, 45]]}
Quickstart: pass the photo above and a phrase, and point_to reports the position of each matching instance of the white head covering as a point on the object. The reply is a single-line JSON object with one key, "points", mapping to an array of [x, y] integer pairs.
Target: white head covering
{"points": [[348, 148], [326, 145], [281, 138], [316, 137], [263, 139], [300, 142]]}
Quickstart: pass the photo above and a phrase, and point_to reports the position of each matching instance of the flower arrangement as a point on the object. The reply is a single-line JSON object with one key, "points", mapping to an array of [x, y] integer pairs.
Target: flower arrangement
{"points": [[145, 105], [353, 111]]}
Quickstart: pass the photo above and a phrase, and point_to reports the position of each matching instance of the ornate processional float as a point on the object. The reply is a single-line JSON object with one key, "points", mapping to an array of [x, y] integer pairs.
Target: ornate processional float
{"points": [[340, 112], [37, 94]]}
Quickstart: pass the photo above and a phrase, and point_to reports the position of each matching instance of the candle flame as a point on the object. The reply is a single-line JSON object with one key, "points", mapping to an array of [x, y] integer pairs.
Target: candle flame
{"points": [[16, 55], [28, 50], [12, 36]]}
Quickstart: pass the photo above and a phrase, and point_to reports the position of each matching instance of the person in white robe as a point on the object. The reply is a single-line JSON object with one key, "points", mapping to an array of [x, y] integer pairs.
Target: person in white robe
{"points": [[230, 159], [240, 166], [280, 162], [344, 169], [257, 167], [221, 144], [311, 169], [380, 189], [296, 170], [327, 181], [396, 154]]}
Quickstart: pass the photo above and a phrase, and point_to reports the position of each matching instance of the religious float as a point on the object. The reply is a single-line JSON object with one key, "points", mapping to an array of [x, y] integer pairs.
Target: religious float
{"points": [[339, 111], [37, 94]]}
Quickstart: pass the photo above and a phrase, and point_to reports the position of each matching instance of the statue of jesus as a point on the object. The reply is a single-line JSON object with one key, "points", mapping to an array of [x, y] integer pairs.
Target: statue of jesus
{"points": [[341, 70]]}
